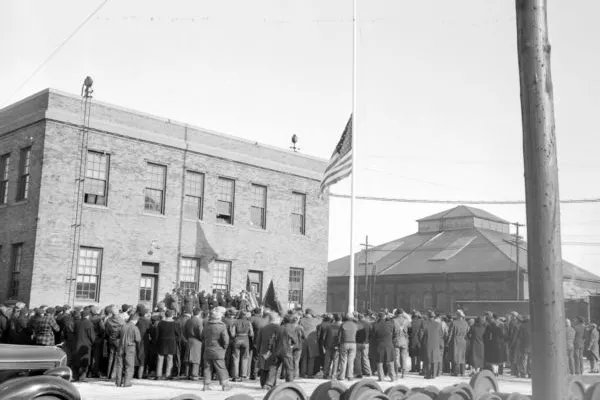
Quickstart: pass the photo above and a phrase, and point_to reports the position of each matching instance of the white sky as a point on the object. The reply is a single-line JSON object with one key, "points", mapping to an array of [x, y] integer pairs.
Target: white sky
{"points": [[438, 91]]}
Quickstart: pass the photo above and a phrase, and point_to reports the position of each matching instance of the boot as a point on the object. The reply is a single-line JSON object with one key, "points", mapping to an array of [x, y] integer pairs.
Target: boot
{"points": [[206, 387]]}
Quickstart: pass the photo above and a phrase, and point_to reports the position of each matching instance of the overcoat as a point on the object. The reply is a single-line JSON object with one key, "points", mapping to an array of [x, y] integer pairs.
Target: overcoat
{"points": [[143, 326], [433, 342], [84, 337], [383, 339], [193, 333], [215, 339], [458, 341], [591, 343], [477, 348], [311, 344], [494, 343], [167, 336], [416, 331], [265, 339]]}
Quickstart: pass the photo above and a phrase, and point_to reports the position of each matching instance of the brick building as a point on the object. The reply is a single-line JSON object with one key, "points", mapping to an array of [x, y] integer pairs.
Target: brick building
{"points": [[162, 203], [459, 254]]}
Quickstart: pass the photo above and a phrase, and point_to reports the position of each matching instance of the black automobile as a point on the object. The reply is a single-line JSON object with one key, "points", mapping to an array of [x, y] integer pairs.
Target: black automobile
{"points": [[35, 372]]}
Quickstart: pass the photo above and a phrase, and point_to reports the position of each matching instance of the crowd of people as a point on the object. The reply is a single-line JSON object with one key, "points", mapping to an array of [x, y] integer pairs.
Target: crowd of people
{"points": [[187, 339]]}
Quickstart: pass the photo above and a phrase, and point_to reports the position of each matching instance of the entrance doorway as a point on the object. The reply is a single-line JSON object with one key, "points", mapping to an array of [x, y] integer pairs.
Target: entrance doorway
{"points": [[148, 285], [255, 284]]}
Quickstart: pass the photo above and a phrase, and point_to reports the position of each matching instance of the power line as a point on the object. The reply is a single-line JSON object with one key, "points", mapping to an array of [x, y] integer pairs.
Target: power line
{"points": [[56, 50], [431, 201]]}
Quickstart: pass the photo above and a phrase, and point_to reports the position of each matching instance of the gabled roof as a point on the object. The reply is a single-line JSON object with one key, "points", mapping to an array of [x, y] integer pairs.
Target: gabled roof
{"points": [[461, 212]]}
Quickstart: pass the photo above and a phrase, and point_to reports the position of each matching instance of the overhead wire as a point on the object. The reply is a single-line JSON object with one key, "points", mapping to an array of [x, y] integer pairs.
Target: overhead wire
{"points": [[56, 50], [447, 201]]}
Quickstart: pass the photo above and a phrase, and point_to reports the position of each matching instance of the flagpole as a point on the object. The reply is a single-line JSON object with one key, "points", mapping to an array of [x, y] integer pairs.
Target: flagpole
{"points": [[353, 175]]}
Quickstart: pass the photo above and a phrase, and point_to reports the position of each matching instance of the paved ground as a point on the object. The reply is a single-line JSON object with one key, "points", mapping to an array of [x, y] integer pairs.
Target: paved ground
{"points": [[155, 390]]}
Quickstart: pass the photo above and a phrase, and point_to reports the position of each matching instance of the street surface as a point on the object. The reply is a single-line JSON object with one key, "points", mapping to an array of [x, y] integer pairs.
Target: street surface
{"points": [[155, 390]]}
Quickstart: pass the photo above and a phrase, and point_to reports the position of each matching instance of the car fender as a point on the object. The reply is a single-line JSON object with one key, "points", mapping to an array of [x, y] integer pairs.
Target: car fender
{"points": [[61, 372], [30, 387]]}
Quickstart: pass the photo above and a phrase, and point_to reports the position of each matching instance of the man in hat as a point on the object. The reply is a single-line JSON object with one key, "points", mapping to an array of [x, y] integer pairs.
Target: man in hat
{"points": [[513, 351], [578, 344], [216, 340], [433, 343], [129, 339], [524, 340], [401, 324], [112, 325], [416, 339], [143, 325], [570, 346], [193, 333], [98, 346], [347, 343], [44, 327], [241, 346], [84, 338], [458, 343]]}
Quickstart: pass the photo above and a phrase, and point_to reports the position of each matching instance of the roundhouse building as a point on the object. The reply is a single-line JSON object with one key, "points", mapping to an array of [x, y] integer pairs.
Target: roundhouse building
{"points": [[121, 207], [463, 253]]}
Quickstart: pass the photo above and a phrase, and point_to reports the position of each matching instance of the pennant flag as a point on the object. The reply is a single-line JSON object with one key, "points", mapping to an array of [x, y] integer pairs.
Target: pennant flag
{"points": [[340, 163], [270, 300]]}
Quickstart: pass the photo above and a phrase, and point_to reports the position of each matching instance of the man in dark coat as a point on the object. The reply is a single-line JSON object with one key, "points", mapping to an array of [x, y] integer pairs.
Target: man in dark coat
{"points": [[310, 346], [416, 336], [180, 358], [143, 325], [193, 334], [286, 339], [513, 351], [4, 323], [167, 335], [363, 336], [458, 343], [83, 341], [216, 340], [433, 346], [331, 347], [383, 346], [578, 344], [258, 322], [112, 328], [265, 340], [98, 345], [494, 343], [129, 339]]}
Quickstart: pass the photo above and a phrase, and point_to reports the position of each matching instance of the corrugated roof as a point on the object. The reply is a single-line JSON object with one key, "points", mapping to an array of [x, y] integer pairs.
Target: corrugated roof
{"points": [[463, 211], [486, 251]]}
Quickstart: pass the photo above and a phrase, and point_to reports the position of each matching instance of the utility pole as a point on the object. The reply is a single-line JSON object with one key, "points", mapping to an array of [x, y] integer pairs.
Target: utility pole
{"points": [[367, 288], [518, 247], [544, 258]]}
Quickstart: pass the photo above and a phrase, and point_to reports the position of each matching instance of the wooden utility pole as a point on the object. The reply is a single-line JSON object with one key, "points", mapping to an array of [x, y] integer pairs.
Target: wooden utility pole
{"points": [[518, 247], [544, 259]]}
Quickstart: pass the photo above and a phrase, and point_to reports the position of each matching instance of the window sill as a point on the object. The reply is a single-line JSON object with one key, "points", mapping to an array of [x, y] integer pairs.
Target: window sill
{"points": [[96, 207], [161, 216], [20, 202], [299, 235], [224, 225], [4, 205], [254, 229], [193, 220]]}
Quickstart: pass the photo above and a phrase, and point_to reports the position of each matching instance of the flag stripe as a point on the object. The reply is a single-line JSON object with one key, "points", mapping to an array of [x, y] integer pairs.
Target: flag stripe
{"points": [[333, 176], [340, 164], [345, 158], [347, 164]]}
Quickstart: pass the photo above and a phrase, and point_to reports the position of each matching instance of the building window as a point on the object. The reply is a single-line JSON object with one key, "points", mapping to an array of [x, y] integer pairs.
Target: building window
{"points": [[188, 274], [258, 209], [221, 276], [299, 213], [88, 273], [23, 183], [16, 261], [146, 288], [296, 291], [154, 195], [96, 178], [4, 164], [225, 197], [194, 195]]}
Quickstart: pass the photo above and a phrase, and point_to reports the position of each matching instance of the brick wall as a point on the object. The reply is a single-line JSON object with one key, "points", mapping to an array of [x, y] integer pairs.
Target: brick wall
{"points": [[18, 218], [125, 232]]}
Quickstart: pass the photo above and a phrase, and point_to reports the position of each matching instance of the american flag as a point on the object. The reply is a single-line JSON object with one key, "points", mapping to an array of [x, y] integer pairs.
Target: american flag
{"points": [[340, 163]]}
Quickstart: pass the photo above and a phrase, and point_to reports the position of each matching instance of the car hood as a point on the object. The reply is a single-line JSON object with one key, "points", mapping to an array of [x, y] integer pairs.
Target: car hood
{"points": [[30, 357]]}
